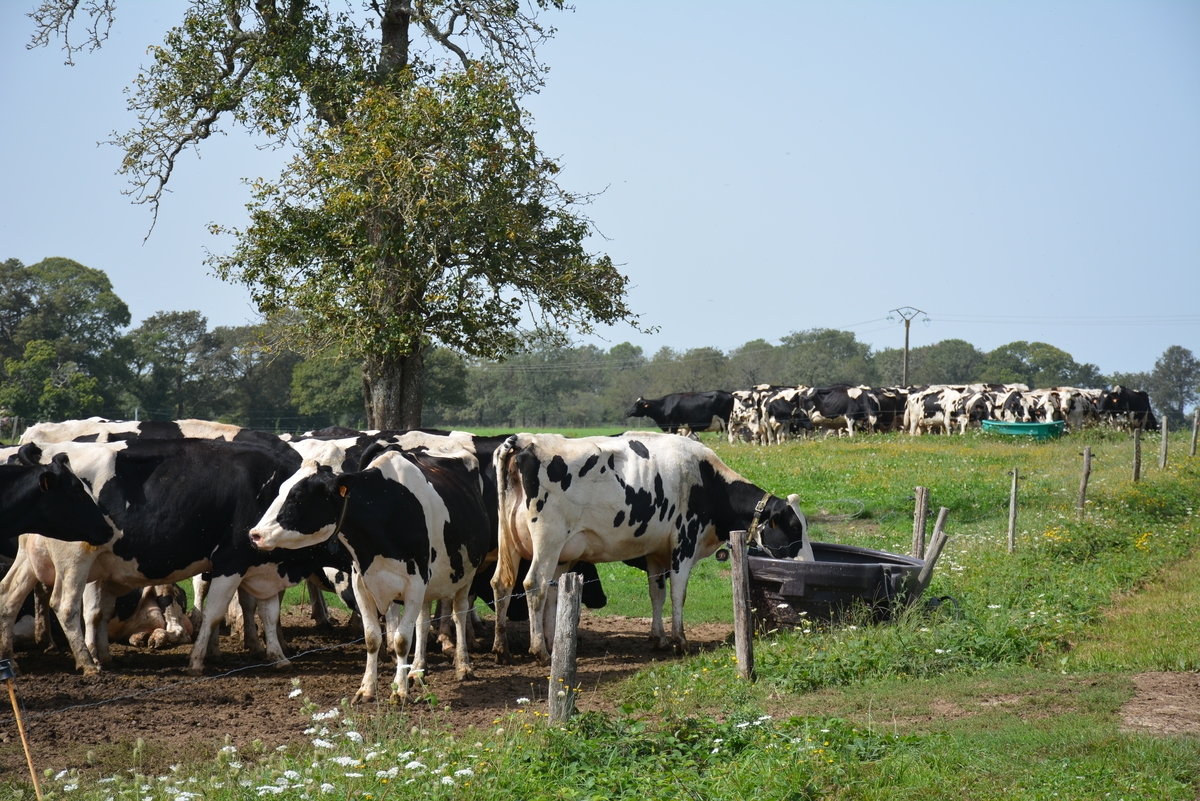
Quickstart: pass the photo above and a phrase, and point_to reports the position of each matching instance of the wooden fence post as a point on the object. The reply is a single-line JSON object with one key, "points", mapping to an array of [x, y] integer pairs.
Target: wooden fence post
{"points": [[1137, 454], [1162, 450], [743, 624], [920, 513], [1083, 482], [1012, 514], [566, 636], [936, 544], [1195, 428]]}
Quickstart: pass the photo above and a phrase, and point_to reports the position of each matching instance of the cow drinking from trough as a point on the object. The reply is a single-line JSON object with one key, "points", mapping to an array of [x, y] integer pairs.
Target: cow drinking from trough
{"points": [[609, 499]]}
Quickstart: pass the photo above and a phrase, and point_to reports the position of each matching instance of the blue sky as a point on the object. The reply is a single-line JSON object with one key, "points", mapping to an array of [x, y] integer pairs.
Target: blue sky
{"points": [[1017, 170]]}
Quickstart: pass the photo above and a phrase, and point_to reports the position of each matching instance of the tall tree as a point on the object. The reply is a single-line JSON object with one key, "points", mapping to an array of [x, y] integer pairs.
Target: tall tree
{"points": [[172, 360], [824, 356], [1175, 382], [418, 209]]}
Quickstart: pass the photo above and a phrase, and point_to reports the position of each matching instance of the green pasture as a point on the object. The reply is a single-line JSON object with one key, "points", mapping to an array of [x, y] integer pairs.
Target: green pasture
{"points": [[1011, 689]]}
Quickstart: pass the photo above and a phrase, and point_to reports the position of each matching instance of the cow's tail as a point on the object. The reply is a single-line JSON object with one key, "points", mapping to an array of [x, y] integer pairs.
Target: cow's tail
{"points": [[510, 492]]}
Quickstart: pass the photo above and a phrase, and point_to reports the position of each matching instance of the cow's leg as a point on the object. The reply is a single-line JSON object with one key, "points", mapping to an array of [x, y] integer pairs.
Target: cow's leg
{"points": [[550, 609], [656, 576], [67, 602], [178, 627], [199, 591], [17, 584], [679, 581], [316, 600], [269, 609], [403, 640], [462, 630], [444, 616], [43, 627], [220, 592], [420, 644], [537, 582], [98, 607], [501, 595], [371, 635]]}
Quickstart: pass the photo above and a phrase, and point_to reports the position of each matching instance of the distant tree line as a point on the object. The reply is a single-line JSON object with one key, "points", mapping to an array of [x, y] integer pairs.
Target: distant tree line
{"points": [[67, 350]]}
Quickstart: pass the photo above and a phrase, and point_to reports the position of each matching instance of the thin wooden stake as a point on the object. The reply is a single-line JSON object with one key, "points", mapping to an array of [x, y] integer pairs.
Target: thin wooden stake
{"points": [[1162, 451], [936, 544], [920, 513], [1195, 428], [566, 637], [743, 624], [1012, 514], [6, 667], [1137, 454], [1083, 481]]}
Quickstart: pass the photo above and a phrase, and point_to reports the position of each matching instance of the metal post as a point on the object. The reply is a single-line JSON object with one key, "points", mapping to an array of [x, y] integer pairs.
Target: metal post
{"points": [[1195, 427], [1083, 482], [907, 313], [743, 624], [1012, 514], [1162, 450]]}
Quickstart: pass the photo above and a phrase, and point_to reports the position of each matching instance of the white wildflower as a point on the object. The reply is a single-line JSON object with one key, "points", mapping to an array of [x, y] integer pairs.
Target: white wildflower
{"points": [[390, 773], [447, 780], [344, 761], [291, 774], [271, 789], [67, 788], [352, 775], [522, 700], [464, 772], [354, 736], [296, 693], [327, 788], [319, 743], [415, 765]]}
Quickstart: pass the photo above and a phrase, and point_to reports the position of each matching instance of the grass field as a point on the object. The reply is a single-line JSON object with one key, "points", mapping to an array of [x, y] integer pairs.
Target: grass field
{"points": [[1012, 691]]}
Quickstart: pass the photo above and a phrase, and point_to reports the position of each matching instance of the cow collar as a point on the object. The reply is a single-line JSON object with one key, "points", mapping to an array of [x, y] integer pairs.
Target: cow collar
{"points": [[753, 535]]}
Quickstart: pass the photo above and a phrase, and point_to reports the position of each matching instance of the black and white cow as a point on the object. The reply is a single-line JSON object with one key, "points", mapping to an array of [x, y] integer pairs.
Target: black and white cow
{"points": [[416, 526], [891, 401], [840, 407], [180, 507], [782, 413], [605, 499], [698, 411], [48, 499], [1124, 407], [933, 408]]}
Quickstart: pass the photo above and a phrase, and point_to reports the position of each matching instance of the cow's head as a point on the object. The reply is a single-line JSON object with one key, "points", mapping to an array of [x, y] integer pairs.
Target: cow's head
{"points": [[640, 408], [309, 509], [62, 507], [783, 529]]}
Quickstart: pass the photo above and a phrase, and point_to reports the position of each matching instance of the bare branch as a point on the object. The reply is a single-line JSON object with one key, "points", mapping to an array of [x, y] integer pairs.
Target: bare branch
{"points": [[53, 19]]}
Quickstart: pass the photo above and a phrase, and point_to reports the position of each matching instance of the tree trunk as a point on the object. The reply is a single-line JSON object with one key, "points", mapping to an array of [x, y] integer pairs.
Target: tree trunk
{"points": [[394, 390]]}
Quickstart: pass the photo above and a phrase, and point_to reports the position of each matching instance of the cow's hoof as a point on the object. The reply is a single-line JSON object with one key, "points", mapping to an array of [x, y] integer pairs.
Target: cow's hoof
{"points": [[397, 699], [90, 670], [503, 658], [141, 639], [282, 665], [466, 674], [194, 671], [362, 696], [542, 657]]}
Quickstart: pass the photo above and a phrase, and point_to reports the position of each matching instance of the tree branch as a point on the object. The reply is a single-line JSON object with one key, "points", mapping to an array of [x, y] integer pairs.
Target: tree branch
{"points": [[53, 18]]}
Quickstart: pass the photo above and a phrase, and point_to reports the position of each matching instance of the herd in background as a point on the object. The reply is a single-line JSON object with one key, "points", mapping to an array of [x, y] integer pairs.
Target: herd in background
{"points": [[97, 514], [769, 414]]}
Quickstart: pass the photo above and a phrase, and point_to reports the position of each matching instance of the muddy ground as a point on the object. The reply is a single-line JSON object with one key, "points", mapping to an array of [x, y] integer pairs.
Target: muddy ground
{"points": [[94, 723], [72, 721]]}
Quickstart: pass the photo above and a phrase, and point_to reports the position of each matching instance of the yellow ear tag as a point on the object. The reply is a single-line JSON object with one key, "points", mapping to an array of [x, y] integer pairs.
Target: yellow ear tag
{"points": [[342, 491]]}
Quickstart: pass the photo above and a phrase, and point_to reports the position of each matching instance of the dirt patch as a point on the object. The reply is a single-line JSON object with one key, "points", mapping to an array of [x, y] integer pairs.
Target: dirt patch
{"points": [[74, 721], [1166, 703]]}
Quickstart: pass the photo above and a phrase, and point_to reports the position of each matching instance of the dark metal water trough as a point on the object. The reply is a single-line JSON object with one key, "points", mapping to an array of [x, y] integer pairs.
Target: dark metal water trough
{"points": [[785, 592]]}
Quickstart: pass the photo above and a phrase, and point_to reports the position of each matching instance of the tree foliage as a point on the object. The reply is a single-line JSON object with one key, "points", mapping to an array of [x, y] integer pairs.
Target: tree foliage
{"points": [[418, 210]]}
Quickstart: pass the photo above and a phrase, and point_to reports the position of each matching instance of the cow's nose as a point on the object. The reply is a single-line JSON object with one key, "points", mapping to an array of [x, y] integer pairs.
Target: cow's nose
{"points": [[255, 537]]}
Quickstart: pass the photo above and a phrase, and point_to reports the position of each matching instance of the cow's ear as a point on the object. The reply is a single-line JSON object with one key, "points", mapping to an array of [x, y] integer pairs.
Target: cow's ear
{"points": [[47, 480], [29, 454], [344, 483]]}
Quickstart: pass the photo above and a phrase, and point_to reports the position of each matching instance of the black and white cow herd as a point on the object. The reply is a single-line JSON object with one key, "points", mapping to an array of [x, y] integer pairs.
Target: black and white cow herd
{"points": [[769, 414], [111, 514]]}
